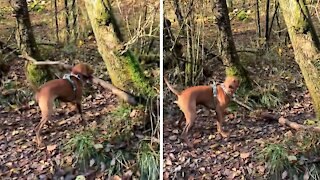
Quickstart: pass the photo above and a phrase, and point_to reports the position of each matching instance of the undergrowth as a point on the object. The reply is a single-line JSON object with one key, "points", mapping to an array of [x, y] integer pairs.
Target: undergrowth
{"points": [[83, 147], [114, 144], [149, 162], [14, 95], [267, 96], [296, 157]]}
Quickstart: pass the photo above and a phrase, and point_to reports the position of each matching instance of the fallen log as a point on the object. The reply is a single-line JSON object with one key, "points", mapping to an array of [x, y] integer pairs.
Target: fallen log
{"points": [[130, 99], [298, 127]]}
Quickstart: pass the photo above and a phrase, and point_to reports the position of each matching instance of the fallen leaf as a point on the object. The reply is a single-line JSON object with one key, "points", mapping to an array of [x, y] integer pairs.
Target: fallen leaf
{"points": [[284, 174], [292, 158], [168, 161], [197, 141], [98, 146], [80, 177], [92, 161], [51, 147], [116, 177], [244, 155], [127, 175], [173, 138]]}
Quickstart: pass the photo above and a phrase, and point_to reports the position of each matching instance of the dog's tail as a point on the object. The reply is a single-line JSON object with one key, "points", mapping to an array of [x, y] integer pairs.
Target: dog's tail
{"points": [[170, 87]]}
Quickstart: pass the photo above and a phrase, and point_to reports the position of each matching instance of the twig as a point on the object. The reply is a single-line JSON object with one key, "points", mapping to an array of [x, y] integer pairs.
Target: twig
{"points": [[42, 63], [241, 104]]}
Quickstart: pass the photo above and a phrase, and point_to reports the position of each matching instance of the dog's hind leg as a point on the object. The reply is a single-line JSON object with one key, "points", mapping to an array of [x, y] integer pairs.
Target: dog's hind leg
{"points": [[190, 116], [46, 107]]}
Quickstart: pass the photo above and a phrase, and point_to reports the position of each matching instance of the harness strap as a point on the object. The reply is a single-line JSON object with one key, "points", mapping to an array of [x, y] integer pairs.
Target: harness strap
{"points": [[68, 78], [214, 89]]}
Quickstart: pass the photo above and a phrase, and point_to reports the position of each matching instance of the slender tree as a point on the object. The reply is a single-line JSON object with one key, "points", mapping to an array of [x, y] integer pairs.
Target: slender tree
{"points": [[122, 65], [226, 44], [26, 42], [306, 45]]}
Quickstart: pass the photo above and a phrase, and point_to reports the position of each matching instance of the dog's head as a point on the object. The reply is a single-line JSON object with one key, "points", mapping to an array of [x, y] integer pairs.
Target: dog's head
{"points": [[231, 83], [84, 70]]}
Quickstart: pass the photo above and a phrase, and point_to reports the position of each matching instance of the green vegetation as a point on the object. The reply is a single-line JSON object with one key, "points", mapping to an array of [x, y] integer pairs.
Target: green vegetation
{"points": [[101, 145], [294, 157], [149, 162]]}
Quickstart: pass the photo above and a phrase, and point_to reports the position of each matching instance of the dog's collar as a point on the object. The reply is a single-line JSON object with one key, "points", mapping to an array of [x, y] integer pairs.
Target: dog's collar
{"points": [[68, 78], [225, 91]]}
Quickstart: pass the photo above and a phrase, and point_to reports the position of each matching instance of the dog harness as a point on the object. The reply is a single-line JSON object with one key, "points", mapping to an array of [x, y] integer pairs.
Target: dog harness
{"points": [[214, 90], [68, 78]]}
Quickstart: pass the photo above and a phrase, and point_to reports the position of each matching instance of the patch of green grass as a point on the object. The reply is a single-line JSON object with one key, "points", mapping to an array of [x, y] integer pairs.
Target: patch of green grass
{"points": [[118, 125], [268, 96], [295, 155], [82, 145], [305, 141], [149, 161], [276, 158], [122, 112]]}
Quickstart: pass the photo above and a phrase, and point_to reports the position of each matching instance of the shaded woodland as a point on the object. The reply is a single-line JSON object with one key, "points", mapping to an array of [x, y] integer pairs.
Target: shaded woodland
{"points": [[41, 40], [273, 47]]}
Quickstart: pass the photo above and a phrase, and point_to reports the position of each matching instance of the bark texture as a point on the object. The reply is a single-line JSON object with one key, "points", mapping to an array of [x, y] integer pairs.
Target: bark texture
{"points": [[24, 34], [305, 44], [27, 43], [226, 44], [122, 65]]}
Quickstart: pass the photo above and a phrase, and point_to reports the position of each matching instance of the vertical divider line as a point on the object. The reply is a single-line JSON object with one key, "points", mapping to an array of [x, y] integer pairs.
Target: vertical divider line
{"points": [[161, 88]]}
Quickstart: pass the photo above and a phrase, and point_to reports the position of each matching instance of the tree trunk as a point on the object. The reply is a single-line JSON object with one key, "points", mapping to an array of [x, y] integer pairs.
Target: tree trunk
{"points": [[226, 44], [66, 17], [177, 11], [258, 19], [266, 35], [122, 65], [56, 21], [27, 43], [305, 44]]}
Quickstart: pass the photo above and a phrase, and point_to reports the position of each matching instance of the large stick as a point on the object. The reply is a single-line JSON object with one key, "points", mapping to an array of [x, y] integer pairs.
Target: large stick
{"points": [[283, 121], [118, 92]]}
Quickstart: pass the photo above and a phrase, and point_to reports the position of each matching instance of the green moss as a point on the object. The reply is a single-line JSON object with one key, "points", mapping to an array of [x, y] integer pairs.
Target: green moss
{"points": [[104, 18], [232, 71], [36, 75], [301, 24], [137, 75], [242, 15]]}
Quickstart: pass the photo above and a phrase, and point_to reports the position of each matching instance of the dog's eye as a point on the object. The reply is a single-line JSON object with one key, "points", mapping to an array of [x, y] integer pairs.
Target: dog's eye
{"points": [[230, 87]]}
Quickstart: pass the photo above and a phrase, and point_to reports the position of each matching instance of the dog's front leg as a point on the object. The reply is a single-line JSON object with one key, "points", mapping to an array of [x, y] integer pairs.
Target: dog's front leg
{"points": [[78, 104], [220, 117]]}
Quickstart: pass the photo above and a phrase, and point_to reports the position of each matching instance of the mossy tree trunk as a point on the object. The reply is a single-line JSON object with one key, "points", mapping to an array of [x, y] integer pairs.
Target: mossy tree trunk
{"points": [[122, 65], [305, 44], [226, 44], [27, 44]]}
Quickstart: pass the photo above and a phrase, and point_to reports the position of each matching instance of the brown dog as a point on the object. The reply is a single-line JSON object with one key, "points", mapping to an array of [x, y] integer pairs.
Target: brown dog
{"points": [[204, 95], [68, 89]]}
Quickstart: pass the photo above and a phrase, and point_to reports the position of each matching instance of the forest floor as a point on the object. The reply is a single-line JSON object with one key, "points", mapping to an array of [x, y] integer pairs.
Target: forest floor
{"points": [[20, 158], [238, 156]]}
